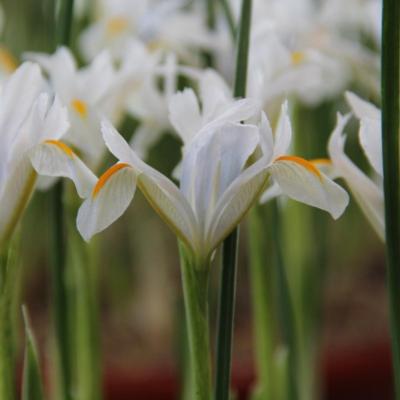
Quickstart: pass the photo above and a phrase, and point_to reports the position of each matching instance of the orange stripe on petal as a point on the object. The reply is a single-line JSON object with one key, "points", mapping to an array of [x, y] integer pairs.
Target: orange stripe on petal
{"points": [[303, 162], [7, 61], [321, 161], [106, 176], [66, 149]]}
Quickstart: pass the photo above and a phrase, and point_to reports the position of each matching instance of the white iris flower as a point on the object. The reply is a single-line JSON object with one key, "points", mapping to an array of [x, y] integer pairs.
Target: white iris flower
{"points": [[367, 192], [28, 116], [86, 93], [218, 182]]}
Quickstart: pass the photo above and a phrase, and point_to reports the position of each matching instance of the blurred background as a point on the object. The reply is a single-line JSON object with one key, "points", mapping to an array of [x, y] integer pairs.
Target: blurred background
{"points": [[139, 288]]}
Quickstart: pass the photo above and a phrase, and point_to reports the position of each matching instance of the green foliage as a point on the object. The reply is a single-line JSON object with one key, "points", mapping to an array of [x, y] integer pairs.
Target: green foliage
{"points": [[32, 382]]}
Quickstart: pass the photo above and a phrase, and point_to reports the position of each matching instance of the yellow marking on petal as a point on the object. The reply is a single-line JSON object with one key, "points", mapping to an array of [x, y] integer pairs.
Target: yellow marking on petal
{"points": [[117, 25], [297, 57], [304, 163], [106, 176], [7, 60], [66, 149], [155, 45], [319, 161], [80, 107]]}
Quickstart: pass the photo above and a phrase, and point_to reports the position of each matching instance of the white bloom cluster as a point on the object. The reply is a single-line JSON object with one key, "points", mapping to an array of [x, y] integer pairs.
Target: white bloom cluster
{"points": [[145, 60]]}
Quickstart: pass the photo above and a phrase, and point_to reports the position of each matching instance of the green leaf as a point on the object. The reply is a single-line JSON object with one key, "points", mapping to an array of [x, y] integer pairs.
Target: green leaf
{"points": [[32, 383], [8, 287], [390, 81]]}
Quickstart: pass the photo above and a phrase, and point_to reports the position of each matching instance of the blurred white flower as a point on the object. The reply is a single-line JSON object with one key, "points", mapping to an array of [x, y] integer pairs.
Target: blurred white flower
{"points": [[354, 18], [278, 72], [149, 104], [368, 192], [166, 110], [28, 116], [87, 93], [137, 67], [166, 25], [308, 51]]}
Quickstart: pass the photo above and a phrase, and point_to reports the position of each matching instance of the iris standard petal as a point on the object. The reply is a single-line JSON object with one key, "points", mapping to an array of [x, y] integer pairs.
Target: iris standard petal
{"points": [[283, 132], [212, 161], [184, 114], [243, 192]]}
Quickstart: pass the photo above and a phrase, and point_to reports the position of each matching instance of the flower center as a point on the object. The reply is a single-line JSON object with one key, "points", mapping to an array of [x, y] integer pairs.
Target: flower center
{"points": [[80, 107], [297, 57], [116, 25]]}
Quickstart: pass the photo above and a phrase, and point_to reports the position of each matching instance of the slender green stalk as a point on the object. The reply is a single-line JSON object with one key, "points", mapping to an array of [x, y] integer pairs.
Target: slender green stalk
{"points": [[65, 22], [261, 277], [285, 302], [243, 49], [230, 245], [390, 144], [8, 273], [211, 23], [195, 280], [59, 294], [59, 283], [226, 313], [182, 352]]}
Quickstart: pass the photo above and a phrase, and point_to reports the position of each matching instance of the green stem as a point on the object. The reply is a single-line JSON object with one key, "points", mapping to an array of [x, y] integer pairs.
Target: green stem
{"points": [[229, 253], [195, 280], [65, 21], [60, 296], [182, 352], [285, 302], [59, 282], [7, 345], [390, 144], [226, 316], [243, 50], [261, 277], [210, 21]]}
